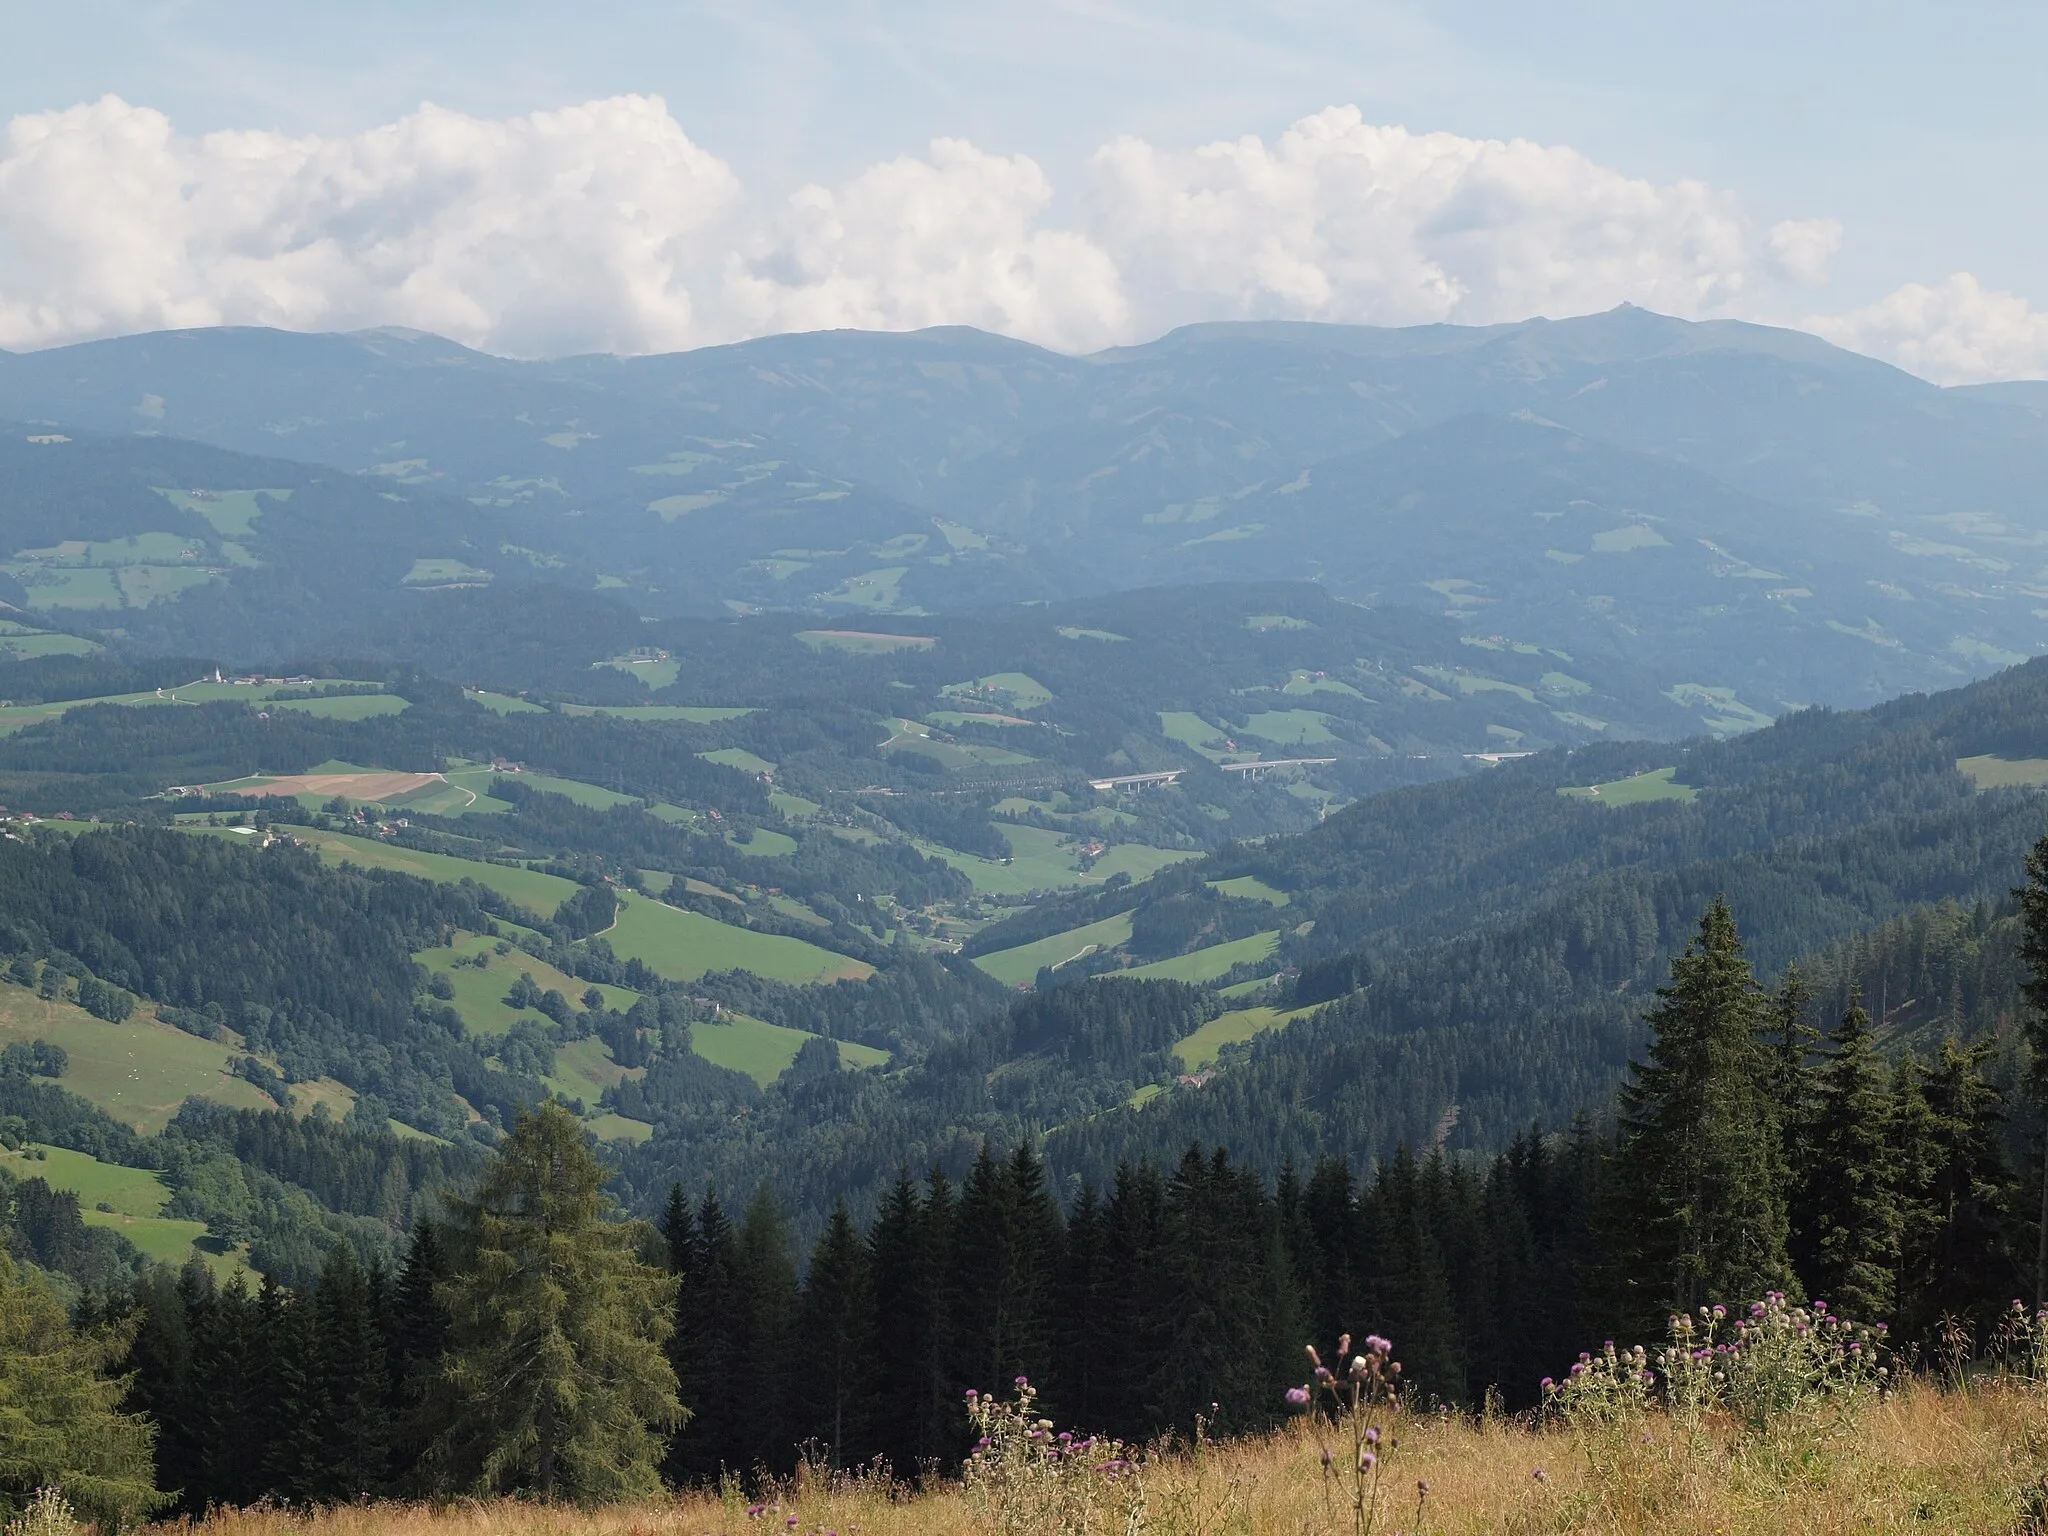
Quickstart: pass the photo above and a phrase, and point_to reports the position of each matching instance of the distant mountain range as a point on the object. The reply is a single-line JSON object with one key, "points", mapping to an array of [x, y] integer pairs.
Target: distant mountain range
{"points": [[1747, 517]]}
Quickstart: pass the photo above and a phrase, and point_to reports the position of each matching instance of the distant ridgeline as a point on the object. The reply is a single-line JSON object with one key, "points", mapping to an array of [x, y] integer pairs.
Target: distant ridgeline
{"points": [[1722, 502]]}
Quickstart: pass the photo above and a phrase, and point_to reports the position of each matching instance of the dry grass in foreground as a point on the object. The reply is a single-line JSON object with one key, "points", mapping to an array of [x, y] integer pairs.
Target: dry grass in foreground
{"points": [[1924, 1460]]}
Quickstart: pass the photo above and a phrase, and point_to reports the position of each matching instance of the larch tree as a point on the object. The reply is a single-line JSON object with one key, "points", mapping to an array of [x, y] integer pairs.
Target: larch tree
{"points": [[61, 1424], [555, 1378]]}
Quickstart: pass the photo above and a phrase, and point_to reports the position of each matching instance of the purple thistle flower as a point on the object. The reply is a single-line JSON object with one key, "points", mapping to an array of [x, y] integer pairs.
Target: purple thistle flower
{"points": [[1539, 1475], [1367, 1462], [1372, 1436], [1297, 1396]]}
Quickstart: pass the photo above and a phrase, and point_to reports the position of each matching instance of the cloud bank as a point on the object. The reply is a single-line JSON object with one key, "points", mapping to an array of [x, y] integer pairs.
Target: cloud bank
{"points": [[603, 227]]}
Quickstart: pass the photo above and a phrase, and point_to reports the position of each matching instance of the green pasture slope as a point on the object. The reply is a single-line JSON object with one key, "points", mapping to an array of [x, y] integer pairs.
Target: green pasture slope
{"points": [[1204, 965], [538, 893], [480, 991], [138, 1071], [764, 1051], [1016, 967], [1637, 789], [681, 946], [134, 1198]]}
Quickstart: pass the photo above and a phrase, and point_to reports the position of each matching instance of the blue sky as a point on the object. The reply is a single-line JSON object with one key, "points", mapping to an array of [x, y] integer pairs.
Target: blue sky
{"points": [[1919, 127]]}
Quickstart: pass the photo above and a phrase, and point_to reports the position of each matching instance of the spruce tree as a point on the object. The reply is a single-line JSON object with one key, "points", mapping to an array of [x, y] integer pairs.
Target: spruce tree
{"points": [[837, 1337], [416, 1339], [1791, 1041], [556, 1381], [1957, 1255], [349, 1409], [1847, 1211], [708, 1352], [916, 1421], [1006, 1250], [2032, 897], [765, 1373], [1699, 1177]]}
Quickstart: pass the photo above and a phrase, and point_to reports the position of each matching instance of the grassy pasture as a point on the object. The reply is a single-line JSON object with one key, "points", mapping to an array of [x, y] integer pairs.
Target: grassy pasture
{"points": [[1290, 727], [740, 758], [857, 642], [1302, 682], [1261, 622], [651, 672], [1636, 789], [1042, 859], [763, 843], [128, 1191], [618, 1128], [1207, 964], [584, 1069], [1141, 861], [1013, 690], [793, 807], [139, 1071], [590, 796], [136, 1195], [915, 736], [232, 513], [1191, 730], [1250, 888], [1016, 967], [1988, 772], [23, 644], [695, 714], [878, 591], [348, 706], [1070, 632], [540, 894], [444, 573], [764, 1051], [681, 946], [480, 993], [502, 703], [1201, 1049]]}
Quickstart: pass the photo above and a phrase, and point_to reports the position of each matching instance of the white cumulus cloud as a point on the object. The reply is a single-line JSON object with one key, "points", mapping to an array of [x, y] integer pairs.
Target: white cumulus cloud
{"points": [[1805, 249], [1342, 220], [956, 239], [603, 227], [1954, 332], [562, 230]]}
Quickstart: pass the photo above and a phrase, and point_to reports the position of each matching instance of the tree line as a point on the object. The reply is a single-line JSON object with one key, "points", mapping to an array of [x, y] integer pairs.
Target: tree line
{"points": [[532, 1342]]}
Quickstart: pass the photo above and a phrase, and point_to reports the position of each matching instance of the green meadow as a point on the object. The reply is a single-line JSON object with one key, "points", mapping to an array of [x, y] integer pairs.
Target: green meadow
{"points": [[1201, 1049], [1988, 772], [695, 714], [862, 643], [138, 1071], [1016, 967], [503, 703], [740, 758], [1637, 789], [1208, 964], [764, 1051], [1249, 888], [538, 893], [136, 1197], [480, 991], [681, 946], [348, 706]]}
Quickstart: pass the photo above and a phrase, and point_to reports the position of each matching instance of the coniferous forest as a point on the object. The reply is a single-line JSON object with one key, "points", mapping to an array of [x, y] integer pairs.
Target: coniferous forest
{"points": [[529, 1341]]}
